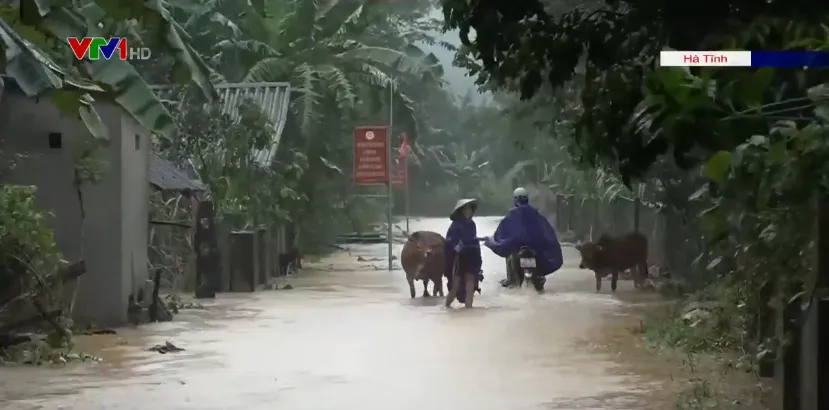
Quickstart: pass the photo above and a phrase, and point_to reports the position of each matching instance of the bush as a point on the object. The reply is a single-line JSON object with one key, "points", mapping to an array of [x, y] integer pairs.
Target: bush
{"points": [[27, 246]]}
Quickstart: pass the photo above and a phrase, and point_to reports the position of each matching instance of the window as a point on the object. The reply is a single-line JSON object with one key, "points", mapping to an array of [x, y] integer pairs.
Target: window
{"points": [[55, 140]]}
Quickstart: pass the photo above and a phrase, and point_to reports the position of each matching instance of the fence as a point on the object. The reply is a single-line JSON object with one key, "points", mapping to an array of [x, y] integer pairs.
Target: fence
{"points": [[205, 254], [672, 243]]}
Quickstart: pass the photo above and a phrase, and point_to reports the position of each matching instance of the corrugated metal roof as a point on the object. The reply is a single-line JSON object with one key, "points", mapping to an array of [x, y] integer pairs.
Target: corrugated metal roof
{"points": [[272, 98], [166, 176]]}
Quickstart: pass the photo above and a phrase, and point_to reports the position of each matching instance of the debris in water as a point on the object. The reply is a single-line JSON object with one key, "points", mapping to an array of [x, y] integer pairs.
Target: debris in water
{"points": [[176, 303], [167, 347], [95, 331], [37, 352]]}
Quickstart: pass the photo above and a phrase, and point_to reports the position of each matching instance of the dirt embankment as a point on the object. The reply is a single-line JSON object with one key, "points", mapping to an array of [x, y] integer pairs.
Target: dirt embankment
{"points": [[719, 380]]}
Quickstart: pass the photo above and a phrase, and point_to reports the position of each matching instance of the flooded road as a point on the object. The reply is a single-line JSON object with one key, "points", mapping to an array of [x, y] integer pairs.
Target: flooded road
{"points": [[348, 337]]}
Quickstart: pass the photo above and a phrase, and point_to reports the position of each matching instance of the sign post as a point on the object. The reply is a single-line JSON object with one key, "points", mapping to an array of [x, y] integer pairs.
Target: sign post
{"points": [[373, 164], [388, 174], [372, 158]]}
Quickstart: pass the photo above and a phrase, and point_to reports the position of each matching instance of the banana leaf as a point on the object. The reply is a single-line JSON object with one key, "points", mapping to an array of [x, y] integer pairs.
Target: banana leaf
{"points": [[36, 75], [119, 78]]}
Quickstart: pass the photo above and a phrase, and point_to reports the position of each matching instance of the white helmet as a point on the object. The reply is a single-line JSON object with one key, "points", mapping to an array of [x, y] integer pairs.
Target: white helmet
{"points": [[520, 192]]}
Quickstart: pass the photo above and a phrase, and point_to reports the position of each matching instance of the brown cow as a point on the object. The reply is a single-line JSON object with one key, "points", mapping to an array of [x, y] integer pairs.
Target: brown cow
{"points": [[612, 256], [422, 259]]}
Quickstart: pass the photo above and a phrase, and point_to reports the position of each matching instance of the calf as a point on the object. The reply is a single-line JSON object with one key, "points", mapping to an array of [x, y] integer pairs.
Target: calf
{"points": [[422, 259], [612, 256]]}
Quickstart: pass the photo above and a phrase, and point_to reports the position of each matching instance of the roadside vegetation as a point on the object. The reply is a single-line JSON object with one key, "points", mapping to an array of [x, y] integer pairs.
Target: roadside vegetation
{"points": [[734, 157]]}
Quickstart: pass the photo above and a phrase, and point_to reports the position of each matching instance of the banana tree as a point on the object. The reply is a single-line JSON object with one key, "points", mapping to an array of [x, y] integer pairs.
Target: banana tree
{"points": [[322, 48], [45, 24], [322, 51], [466, 166]]}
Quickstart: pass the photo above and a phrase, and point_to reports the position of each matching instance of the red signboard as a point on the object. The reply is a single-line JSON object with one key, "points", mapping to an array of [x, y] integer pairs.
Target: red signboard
{"points": [[371, 156], [398, 175]]}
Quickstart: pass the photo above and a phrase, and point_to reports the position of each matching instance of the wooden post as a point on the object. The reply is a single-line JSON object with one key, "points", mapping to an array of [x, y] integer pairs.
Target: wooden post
{"points": [[243, 261], [822, 311], [208, 263]]}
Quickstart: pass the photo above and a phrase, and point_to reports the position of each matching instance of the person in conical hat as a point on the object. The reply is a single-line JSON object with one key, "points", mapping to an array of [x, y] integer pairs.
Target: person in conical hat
{"points": [[463, 253]]}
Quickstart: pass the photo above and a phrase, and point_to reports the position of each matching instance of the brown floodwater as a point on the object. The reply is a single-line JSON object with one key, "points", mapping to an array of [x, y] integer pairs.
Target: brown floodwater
{"points": [[348, 337]]}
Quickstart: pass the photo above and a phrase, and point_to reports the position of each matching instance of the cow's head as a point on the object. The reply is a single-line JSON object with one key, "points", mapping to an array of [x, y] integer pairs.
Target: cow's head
{"points": [[589, 251]]}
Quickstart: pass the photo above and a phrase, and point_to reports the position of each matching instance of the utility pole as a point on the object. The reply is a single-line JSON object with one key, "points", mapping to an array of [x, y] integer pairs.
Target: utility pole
{"points": [[389, 164]]}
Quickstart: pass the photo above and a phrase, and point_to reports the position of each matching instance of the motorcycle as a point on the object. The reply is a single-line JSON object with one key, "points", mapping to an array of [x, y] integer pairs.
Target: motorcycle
{"points": [[527, 267]]}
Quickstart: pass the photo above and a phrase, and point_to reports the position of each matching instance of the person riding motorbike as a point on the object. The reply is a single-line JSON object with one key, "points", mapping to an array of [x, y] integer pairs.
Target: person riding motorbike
{"points": [[463, 254], [524, 226]]}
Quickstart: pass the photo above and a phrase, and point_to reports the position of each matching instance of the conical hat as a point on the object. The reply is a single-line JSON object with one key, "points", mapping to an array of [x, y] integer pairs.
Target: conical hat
{"points": [[464, 202]]}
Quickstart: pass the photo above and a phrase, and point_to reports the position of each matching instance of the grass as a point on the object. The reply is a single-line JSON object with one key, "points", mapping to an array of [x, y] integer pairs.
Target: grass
{"points": [[714, 373]]}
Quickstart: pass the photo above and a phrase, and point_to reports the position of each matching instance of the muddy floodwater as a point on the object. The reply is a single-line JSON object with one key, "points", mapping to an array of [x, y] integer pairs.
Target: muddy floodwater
{"points": [[348, 337]]}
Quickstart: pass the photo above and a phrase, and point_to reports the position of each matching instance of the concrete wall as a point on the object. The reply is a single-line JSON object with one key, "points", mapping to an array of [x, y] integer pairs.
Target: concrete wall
{"points": [[115, 229], [135, 204]]}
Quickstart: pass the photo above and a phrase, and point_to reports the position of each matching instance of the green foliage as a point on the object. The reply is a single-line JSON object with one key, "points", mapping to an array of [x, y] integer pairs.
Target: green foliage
{"points": [[612, 50], [331, 53], [28, 246], [50, 69], [341, 59], [473, 149], [224, 153], [737, 156]]}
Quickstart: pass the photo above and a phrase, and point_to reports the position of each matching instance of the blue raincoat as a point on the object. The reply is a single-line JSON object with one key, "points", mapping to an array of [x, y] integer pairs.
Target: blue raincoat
{"points": [[462, 231], [525, 226]]}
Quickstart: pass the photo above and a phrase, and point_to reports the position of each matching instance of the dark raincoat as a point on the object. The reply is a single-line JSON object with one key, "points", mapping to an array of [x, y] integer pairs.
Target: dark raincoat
{"points": [[462, 231], [525, 226]]}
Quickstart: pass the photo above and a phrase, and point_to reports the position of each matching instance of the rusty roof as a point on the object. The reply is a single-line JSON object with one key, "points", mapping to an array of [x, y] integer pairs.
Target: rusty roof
{"points": [[166, 176]]}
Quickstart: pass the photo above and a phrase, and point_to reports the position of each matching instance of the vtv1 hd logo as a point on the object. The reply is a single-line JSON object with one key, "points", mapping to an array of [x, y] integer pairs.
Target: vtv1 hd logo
{"points": [[94, 48]]}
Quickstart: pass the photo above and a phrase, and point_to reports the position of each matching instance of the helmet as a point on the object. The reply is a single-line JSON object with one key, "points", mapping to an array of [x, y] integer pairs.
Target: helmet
{"points": [[520, 196]]}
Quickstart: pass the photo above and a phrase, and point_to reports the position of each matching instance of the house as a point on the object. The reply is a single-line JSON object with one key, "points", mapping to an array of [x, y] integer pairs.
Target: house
{"points": [[113, 241]]}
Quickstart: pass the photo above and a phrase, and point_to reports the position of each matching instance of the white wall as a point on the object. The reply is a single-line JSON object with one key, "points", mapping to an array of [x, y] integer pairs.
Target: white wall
{"points": [[116, 208]]}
